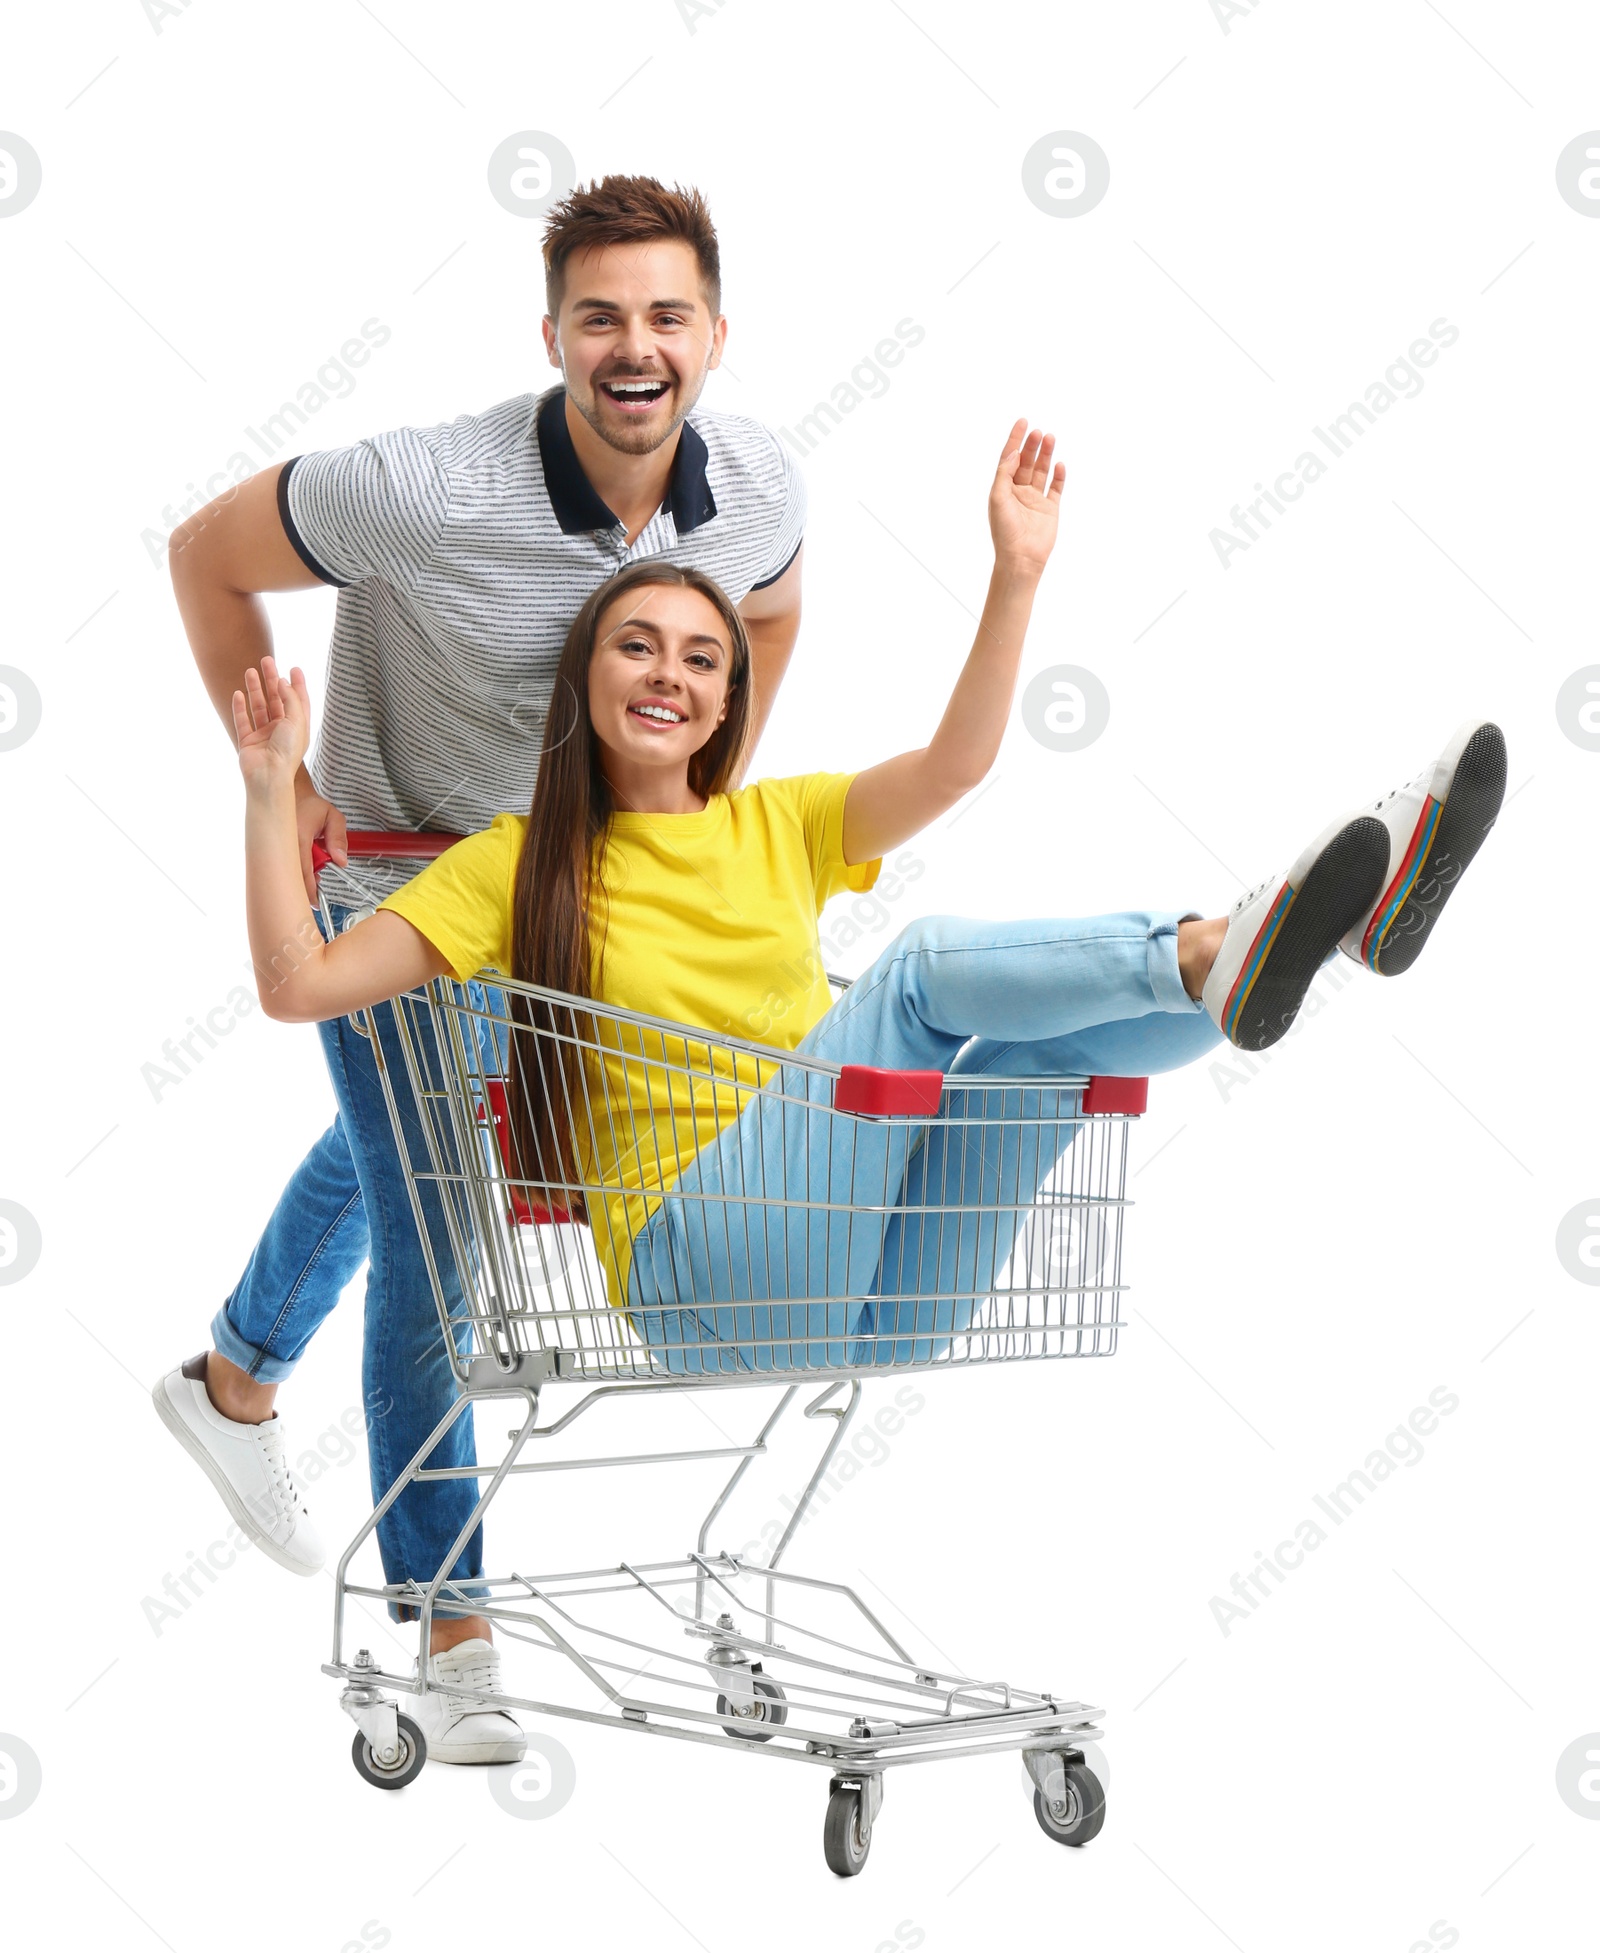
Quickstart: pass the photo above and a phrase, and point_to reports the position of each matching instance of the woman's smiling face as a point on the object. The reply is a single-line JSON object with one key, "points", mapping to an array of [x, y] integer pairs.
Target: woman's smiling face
{"points": [[659, 677]]}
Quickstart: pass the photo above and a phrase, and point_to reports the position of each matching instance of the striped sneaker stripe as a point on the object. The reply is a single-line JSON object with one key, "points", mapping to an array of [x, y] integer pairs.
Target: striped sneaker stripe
{"points": [[1239, 995], [1384, 914]]}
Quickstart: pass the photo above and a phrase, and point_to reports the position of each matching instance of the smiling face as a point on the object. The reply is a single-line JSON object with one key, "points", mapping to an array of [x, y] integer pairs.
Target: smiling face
{"points": [[634, 339], [658, 686]]}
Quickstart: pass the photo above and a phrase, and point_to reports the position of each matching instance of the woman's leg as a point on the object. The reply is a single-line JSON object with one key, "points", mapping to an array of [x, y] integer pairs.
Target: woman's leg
{"points": [[974, 1183], [792, 1202]]}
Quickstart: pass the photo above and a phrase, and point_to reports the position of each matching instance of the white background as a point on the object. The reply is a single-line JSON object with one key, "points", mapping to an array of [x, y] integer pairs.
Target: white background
{"points": [[228, 193]]}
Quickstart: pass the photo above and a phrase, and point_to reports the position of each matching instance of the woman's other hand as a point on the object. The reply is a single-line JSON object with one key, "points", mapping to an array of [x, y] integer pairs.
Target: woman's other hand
{"points": [[272, 723], [1025, 500], [888, 803]]}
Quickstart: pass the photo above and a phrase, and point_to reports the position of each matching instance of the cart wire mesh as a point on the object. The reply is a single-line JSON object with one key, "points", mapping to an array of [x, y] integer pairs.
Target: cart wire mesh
{"points": [[706, 1207]]}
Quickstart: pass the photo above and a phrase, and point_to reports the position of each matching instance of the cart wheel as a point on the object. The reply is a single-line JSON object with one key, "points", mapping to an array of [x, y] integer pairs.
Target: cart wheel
{"points": [[847, 1831], [407, 1765], [772, 1710], [1080, 1817]]}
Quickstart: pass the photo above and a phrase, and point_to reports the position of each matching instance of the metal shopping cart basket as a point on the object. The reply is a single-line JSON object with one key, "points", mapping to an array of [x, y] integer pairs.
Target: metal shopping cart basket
{"points": [[1011, 1191]]}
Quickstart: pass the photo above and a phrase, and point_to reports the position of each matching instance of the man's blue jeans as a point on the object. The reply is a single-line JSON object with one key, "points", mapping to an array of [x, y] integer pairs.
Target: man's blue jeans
{"points": [[347, 1203], [1007, 999]]}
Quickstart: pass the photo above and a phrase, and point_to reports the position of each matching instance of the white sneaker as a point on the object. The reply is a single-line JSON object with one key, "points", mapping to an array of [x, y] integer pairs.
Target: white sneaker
{"points": [[1436, 824], [458, 1729], [1281, 933], [246, 1464]]}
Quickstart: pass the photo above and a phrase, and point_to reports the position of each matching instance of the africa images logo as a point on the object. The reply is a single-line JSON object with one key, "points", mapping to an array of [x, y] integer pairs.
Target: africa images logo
{"points": [[1400, 381]]}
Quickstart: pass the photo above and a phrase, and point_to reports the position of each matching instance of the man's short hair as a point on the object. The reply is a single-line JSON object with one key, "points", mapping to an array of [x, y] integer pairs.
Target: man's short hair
{"points": [[629, 210]]}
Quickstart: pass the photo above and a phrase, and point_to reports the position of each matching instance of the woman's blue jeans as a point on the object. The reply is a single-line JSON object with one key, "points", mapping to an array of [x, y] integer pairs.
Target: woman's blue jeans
{"points": [[1015, 1000]]}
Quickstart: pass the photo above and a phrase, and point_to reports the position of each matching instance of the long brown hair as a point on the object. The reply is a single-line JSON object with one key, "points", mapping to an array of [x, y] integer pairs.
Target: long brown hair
{"points": [[559, 895]]}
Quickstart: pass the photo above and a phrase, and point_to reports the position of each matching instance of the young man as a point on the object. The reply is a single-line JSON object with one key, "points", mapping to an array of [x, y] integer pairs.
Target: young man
{"points": [[460, 553]]}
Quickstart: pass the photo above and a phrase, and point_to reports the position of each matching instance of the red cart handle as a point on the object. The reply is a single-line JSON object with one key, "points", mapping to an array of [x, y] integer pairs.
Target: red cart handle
{"points": [[527, 1210], [876, 1093], [1116, 1095], [369, 845]]}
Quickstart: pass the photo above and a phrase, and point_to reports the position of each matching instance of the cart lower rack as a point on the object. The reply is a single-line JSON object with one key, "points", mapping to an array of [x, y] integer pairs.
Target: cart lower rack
{"points": [[640, 1208]]}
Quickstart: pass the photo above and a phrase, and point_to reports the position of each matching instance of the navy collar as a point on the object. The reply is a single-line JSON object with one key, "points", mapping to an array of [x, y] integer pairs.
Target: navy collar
{"points": [[579, 509]]}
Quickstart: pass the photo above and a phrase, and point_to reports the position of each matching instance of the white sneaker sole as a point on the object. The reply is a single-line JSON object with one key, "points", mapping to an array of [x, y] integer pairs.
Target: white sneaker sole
{"points": [[168, 1414], [508, 1750]]}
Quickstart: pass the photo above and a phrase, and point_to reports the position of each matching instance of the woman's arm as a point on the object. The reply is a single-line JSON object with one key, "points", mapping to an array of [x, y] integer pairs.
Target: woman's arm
{"points": [[889, 803], [300, 978]]}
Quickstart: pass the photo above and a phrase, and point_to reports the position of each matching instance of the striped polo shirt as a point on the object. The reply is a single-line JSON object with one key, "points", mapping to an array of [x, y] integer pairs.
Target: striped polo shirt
{"points": [[461, 553]]}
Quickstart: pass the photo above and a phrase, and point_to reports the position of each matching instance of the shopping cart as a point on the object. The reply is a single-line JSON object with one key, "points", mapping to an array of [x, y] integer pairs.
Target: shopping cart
{"points": [[742, 1654]]}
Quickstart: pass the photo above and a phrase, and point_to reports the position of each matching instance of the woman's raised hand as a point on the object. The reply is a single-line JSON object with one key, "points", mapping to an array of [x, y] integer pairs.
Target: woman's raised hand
{"points": [[1025, 500], [272, 723]]}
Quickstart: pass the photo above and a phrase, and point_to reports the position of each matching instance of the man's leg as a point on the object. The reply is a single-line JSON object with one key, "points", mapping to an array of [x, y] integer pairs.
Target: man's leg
{"points": [[322, 1229], [219, 1405], [407, 1374], [407, 1381], [311, 1249]]}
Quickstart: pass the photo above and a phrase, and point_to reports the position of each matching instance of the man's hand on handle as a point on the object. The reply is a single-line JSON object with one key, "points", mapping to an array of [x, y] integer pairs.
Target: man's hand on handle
{"points": [[316, 819]]}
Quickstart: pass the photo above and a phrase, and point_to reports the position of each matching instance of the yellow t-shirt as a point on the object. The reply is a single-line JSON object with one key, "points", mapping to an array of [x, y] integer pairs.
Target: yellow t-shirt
{"points": [[712, 921]]}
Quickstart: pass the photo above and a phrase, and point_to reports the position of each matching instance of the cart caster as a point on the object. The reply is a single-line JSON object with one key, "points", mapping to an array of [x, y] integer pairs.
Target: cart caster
{"points": [[771, 1709], [1081, 1811], [411, 1752], [847, 1828]]}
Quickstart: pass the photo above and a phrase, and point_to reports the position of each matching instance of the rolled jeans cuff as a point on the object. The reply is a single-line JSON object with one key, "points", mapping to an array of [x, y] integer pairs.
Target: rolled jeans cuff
{"points": [[463, 1593], [227, 1341], [1161, 946]]}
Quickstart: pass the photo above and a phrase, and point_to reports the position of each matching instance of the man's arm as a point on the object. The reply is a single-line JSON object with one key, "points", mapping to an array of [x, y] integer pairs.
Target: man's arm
{"points": [[772, 617], [221, 559]]}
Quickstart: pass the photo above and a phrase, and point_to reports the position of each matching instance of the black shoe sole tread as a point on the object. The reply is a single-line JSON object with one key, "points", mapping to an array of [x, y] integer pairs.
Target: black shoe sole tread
{"points": [[1340, 886], [1470, 808]]}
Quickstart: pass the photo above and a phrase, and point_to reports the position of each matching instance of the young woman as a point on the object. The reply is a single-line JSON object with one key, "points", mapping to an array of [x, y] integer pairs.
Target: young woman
{"points": [[639, 880]]}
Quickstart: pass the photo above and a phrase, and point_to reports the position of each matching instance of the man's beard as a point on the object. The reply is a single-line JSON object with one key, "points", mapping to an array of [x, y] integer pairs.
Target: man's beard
{"points": [[619, 435]]}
